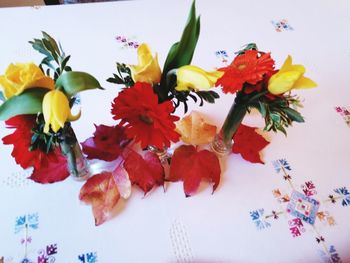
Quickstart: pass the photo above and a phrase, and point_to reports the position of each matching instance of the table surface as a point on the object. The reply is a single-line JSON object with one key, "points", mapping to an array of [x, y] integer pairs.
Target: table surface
{"points": [[233, 224]]}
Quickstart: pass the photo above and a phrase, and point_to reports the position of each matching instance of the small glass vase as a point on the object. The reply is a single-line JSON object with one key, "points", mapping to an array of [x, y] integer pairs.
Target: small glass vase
{"points": [[163, 154], [223, 141], [78, 165]]}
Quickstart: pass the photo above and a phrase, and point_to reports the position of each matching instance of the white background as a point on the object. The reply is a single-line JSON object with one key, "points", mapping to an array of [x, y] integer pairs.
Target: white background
{"points": [[167, 227]]}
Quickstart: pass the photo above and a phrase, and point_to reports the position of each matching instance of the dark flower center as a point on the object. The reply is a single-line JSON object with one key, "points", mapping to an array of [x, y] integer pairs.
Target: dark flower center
{"points": [[146, 119]]}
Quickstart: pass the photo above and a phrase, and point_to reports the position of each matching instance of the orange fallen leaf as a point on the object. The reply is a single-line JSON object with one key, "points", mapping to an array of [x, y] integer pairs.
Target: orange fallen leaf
{"points": [[103, 191], [194, 130]]}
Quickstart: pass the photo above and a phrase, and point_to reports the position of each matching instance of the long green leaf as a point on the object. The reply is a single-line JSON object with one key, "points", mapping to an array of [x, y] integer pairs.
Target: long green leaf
{"points": [[2, 97], [73, 82], [294, 115], [181, 52], [28, 102]]}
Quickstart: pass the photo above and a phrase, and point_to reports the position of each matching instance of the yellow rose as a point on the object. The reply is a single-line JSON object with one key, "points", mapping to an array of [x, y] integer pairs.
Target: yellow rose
{"points": [[148, 69], [195, 78], [19, 77], [56, 110], [289, 77]]}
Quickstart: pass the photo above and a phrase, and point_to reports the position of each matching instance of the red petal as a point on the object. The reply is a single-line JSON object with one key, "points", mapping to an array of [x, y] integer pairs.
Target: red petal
{"points": [[102, 193], [54, 170], [191, 167], [145, 172], [249, 143], [106, 144]]}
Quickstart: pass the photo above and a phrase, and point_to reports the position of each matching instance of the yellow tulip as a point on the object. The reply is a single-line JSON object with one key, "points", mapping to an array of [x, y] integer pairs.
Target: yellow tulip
{"points": [[194, 78], [19, 77], [289, 77], [56, 110], [148, 69]]}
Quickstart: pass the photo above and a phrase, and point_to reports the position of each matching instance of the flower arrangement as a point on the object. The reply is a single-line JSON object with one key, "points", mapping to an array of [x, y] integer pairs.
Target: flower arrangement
{"points": [[37, 103], [134, 151], [252, 76]]}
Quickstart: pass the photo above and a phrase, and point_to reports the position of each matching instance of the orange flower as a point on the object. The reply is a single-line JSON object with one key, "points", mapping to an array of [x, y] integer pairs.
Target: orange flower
{"points": [[249, 67]]}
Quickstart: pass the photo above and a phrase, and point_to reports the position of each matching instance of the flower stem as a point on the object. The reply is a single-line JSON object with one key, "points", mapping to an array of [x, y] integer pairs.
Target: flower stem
{"points": [[69, 148], [233, 120]]}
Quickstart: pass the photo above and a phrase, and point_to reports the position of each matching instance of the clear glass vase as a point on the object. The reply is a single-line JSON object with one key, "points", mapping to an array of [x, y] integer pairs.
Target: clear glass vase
{"points": [[223, 141], [163, 154], [78, 165]]}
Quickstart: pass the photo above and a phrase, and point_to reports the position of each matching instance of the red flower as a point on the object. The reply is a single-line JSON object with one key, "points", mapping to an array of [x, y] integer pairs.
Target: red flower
{"points": [[144, 118], [247, 68], [106, 144], [21, 140]]}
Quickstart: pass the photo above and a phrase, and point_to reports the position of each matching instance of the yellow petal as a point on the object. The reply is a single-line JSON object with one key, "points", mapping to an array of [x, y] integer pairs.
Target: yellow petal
{"points": [[19, 77], [304, 83], [74, 117], [47, 101], [283, 82], [195, 78], [148, 69], [60, 107]]}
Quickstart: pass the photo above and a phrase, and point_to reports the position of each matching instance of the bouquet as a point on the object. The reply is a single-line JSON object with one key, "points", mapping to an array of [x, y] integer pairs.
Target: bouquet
{"points": [[37, 102]]}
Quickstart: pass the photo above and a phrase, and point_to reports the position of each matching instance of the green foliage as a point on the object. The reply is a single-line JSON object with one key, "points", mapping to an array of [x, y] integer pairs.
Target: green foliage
{"points": [[181, 52], [277, 113], [73, 82], [55, 59], [28, 102], [250, 46], [123, 76], [43, 141], [2, 97]]}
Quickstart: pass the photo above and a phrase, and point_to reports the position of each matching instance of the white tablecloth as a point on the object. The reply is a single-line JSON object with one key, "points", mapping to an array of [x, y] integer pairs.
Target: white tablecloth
{"points": [[167, 227]]}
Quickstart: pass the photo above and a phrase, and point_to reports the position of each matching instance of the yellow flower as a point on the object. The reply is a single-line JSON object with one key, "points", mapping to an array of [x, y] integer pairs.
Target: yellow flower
{"points": [[289, 77], [19, 77], [148, 69], [56, 110], [195, 78]]}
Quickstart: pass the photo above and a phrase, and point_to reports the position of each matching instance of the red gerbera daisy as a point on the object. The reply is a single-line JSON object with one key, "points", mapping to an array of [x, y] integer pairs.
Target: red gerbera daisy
{"points": [[249, 67], [144, 118], [21, 140]]}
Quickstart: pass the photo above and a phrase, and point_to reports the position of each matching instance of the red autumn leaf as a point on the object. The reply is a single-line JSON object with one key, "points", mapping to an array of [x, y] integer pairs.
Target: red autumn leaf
{"points": [[190, 166], [145, 172], [249, 143], [48, 167], [106, 144], [54, 170], [102, 193]]}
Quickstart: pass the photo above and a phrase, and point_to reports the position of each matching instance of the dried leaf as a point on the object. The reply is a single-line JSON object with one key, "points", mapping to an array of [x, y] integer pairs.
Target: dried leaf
{"points": [[122, 180], [146, 172], [194, 130], [54, 170], [190, 166], [102, 193], [249, 143]]}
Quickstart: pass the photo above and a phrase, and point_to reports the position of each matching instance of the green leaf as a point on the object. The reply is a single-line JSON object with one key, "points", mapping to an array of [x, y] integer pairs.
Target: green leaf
{"points": [[52, 41], [293, 115], [51, 49], [73, 82], [28, 102], [262, 109], [38, 45], [275, 117], [64, 62], [181, 52], [2, 97]]}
